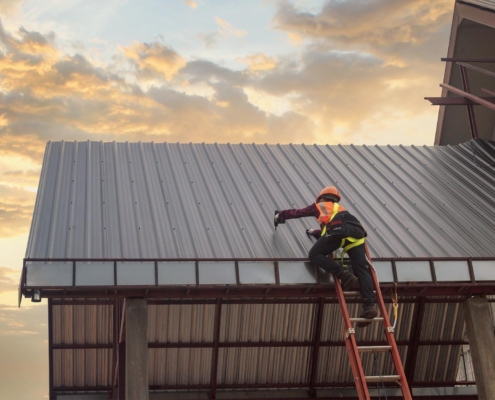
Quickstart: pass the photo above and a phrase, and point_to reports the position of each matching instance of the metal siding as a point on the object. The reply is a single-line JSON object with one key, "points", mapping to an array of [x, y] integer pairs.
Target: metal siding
{"points": [[263, 365], [266, 322], [81, 368], [183, 323], [82, 324], [179, 366], [146, 200], [334, 366]]}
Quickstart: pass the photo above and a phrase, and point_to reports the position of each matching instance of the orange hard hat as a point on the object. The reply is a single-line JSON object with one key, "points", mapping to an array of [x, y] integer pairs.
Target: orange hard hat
{"points": [[330, 190]]}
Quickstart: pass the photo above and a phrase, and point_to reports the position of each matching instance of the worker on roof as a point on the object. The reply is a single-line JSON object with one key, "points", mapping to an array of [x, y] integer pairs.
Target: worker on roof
{"points": [[338, 229]]}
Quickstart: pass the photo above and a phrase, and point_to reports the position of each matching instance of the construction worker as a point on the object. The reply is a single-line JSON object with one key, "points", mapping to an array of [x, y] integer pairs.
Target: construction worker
{"points": [[337, 224]]}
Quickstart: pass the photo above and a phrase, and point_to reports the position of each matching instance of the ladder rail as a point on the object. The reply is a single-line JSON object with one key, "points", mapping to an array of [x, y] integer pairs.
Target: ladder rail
{"points": [[351, 346], [389, 332]]}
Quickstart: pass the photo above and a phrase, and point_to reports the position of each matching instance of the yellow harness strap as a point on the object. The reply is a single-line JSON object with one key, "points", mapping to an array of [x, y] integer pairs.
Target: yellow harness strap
{"points": [[354, 243], [334, 213]]}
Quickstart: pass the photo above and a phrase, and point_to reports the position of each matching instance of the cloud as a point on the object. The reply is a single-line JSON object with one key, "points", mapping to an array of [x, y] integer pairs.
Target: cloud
{"points": [[259, 62], [24, 336], [225, 28], [209, 39], [16, 210], [28, 178], [191, 3], [383, 27], [155, 60], [8, 7], [9, 279]]}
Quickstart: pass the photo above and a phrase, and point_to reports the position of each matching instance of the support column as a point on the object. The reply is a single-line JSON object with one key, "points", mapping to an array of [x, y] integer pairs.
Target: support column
{"points": [[482, 343], [136, 350]]}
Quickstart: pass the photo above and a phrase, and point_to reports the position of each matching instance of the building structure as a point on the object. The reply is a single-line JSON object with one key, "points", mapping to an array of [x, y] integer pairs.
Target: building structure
{"points": [[231, 304], [174, 243]]}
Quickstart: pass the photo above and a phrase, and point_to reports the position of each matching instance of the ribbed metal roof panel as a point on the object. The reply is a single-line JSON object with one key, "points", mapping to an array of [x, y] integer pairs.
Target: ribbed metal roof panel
{"points": [[147, 200], [482, 3]]}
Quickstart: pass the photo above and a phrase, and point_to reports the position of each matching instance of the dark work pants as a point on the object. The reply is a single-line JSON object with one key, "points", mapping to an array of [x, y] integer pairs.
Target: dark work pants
{"points": [[327, 245]]}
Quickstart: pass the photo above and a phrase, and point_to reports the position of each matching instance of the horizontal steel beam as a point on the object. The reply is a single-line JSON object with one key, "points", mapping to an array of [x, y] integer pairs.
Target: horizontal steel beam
{"points": [[182, 345], [156, 302], [460, 59], [469, 96], [417, 289], [456, 101]]}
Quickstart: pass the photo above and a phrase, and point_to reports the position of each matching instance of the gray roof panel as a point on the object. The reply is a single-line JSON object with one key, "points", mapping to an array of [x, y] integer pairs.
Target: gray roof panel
{"points": [[162, 200]]}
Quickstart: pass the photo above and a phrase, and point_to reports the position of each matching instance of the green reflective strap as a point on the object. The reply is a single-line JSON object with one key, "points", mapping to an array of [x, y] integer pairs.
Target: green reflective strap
{"points": [[323, 231], [354, 243]]}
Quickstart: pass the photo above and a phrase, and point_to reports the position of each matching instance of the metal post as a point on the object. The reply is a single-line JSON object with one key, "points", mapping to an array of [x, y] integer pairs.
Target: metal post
{"points": [[415, 340], [214, 356], [136, 350], [316, 348], [470, 108], [482, 343], [51, 394]]}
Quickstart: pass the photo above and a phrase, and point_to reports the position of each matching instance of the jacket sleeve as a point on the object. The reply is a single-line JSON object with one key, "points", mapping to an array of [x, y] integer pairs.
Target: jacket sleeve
{"points": [[309, 211]]}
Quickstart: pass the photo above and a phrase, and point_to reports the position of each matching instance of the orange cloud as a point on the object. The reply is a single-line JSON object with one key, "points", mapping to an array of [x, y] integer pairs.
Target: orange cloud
{"points": [[259, 62], [226, 28], [8, 7], [382, 27], [8, 279], [191, 3], [155, 60]]}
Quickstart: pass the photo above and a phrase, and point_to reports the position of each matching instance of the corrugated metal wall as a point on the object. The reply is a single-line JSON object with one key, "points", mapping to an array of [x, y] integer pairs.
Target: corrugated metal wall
{"points": [[257, 323], [146, 200]]}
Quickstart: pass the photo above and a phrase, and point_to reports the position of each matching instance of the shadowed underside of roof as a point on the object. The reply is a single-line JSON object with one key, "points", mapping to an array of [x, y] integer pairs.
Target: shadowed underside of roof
{"points": [[162, 200]]}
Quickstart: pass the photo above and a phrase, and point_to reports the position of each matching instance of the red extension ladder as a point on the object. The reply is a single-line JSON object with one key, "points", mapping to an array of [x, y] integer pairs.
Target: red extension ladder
{"points": [[353, 349]]}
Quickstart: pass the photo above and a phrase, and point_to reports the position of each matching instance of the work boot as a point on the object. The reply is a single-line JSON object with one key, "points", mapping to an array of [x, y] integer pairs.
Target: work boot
{"points": [[370, 311], [348, 281]]}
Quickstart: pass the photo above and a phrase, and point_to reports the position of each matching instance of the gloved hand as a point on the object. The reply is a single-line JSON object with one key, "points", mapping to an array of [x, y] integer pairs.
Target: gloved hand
{"points": [[277, 220], [313, 233]]}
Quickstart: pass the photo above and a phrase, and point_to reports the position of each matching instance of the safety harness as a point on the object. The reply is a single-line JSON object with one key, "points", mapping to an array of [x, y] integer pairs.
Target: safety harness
{"points": [[354, 243], [325, 219]]}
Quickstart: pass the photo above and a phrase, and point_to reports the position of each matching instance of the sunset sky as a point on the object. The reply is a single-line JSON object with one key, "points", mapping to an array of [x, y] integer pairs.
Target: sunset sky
{"points": [[262, 71]]}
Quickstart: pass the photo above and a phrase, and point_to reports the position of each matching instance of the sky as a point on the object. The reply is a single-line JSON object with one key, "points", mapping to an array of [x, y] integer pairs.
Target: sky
{"points": [[257, 71]]}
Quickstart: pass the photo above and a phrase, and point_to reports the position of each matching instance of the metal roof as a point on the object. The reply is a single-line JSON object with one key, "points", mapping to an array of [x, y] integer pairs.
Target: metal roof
{"points": [[481, 3], [163, 200], [145, 200]]}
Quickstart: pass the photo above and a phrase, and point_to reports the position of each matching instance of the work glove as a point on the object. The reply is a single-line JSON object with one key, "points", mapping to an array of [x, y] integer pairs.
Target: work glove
{"points": [[312, 233], [277, 220]]}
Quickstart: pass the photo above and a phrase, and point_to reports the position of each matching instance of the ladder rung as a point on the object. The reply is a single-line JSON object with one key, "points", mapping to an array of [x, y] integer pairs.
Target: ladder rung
{"points": [[351, 293], [366, 319], [365, 349], [382, 378]]}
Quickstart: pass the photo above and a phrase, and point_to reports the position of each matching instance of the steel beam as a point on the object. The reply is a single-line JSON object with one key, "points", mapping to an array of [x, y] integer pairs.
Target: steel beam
{"points": [[214, 356], [296, 291], [478, 69], [207, 345], [457, 101], [316, 347], [414, 339], [51, 394], [470, 96], [470, 109], [465, 59]]}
